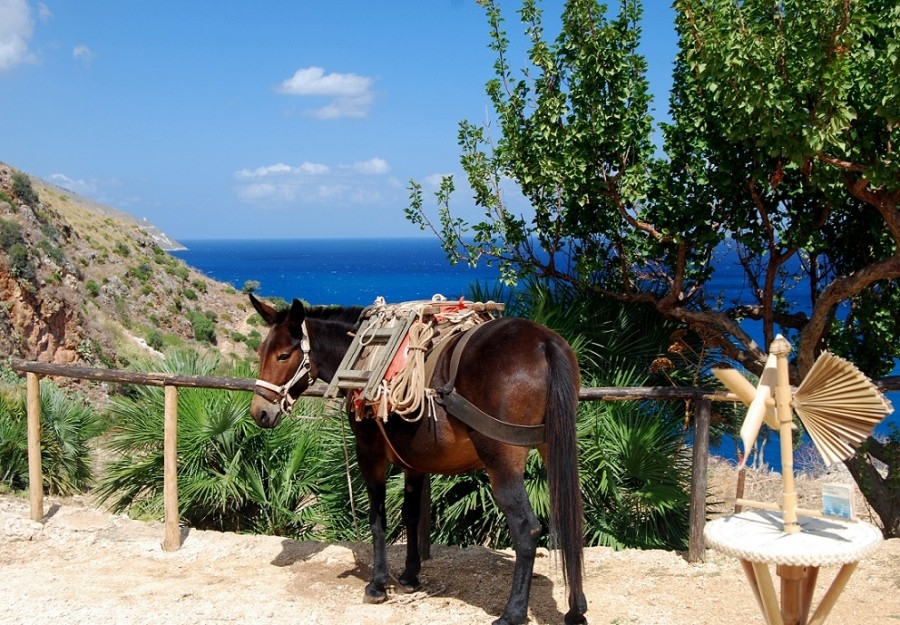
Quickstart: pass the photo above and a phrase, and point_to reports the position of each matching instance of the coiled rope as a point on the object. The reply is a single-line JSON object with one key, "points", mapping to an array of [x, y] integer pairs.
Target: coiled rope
{"points": [[406, 391]]}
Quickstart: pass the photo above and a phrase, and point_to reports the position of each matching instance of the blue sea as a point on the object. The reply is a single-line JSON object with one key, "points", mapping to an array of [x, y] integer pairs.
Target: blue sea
{"points": [[356, 271], [337, 271]]}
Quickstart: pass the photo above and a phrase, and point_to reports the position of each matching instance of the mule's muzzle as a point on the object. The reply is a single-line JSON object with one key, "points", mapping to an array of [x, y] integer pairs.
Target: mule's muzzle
{"points": [[266, 414]]}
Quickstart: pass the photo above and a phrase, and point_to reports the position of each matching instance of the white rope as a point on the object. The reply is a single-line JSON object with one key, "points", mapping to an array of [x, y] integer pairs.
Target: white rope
{"points": [[407, 389]]}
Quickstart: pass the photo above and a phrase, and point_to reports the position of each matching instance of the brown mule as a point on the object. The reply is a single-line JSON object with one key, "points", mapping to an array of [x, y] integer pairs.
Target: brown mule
{"points": [[517, 371]]}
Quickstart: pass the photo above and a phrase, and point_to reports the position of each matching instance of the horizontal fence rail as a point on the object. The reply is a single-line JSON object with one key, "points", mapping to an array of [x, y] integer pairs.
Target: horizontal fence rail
{"points": [[701, 397]]}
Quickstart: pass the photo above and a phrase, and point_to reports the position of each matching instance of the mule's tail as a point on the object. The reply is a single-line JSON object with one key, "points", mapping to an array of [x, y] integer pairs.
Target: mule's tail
{"points": [[566, 511]]}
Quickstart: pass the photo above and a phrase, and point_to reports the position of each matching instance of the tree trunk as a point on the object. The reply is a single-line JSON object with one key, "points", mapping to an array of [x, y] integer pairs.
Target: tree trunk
{"points": [[875, 468]]}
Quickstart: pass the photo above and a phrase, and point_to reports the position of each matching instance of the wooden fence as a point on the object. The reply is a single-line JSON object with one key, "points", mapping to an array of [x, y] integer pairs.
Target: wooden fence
{"points": [[702, 400]]}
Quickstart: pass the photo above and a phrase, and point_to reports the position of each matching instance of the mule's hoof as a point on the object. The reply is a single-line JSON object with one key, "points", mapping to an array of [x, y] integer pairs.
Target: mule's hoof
{"points": [[373, 595], [575, 618], [407, 585]]}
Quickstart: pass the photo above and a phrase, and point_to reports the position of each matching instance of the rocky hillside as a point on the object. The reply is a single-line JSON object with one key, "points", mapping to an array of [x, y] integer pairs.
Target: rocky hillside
{"points": [[86, 284]]}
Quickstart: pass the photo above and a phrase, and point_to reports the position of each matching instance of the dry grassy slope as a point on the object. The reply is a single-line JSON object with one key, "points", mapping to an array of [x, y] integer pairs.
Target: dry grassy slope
{"points": [[101, 284]]}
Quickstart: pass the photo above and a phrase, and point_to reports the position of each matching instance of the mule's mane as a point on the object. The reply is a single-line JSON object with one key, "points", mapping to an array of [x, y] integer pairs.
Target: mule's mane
{"points": [[344, 314]]}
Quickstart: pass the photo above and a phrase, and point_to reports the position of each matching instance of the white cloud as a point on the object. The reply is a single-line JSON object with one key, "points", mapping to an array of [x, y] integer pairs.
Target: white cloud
{"points": [[80, 187], [314, 81], [312, 169], [44, 12], [372, 166], [351, 93], [16, 28], [83, 53], [314, 183]]}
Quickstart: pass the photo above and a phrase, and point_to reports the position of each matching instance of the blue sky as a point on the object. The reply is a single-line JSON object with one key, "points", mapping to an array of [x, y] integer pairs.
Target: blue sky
{"points": [[240, 119]]}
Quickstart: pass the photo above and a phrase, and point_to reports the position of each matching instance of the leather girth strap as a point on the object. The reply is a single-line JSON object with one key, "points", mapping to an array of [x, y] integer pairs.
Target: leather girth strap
{"points": [[477, 419]]}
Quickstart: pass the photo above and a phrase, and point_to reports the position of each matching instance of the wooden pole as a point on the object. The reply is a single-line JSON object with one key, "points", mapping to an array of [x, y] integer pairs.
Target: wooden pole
{"points": [[699, 480], [739, 490], [832, 594], [35, 472], [172, 541], [767, 596], [783, 398]]}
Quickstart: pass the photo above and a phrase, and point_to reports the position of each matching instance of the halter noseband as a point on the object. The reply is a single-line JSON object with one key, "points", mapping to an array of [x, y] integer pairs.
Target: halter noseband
{"points": [[284, 399]]}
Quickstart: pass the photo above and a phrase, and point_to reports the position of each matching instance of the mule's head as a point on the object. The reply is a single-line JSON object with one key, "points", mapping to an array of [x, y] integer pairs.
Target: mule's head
{"points": [[284, 366]]}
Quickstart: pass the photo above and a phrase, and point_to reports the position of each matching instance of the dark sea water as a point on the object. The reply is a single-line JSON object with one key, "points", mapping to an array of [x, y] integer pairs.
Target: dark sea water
{"points": [[356, 271]]}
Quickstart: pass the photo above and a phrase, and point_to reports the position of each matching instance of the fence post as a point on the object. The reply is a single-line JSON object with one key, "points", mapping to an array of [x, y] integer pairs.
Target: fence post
{"points": [[35, 472], [172, 541], [699, 479]]}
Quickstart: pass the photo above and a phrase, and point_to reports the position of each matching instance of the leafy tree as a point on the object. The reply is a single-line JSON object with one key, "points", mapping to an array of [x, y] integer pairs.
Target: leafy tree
{"points": [[781, 153], [800, 110]]}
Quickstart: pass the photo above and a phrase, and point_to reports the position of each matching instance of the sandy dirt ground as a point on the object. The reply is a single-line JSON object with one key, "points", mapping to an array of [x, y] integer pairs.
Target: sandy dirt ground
{"points": [[82, 565]]}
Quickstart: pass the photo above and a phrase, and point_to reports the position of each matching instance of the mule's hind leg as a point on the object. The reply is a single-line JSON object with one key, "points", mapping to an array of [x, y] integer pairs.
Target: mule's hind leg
{"points": [[412, 505], [524, 528]]}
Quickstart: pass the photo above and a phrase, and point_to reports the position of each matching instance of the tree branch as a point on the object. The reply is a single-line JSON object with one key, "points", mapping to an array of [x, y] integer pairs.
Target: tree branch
{"points": [[840, 289]]}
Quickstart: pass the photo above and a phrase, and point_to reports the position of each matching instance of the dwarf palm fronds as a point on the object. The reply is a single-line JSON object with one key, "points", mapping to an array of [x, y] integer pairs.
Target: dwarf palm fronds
{"points": [[68, 424], [232, 475]]}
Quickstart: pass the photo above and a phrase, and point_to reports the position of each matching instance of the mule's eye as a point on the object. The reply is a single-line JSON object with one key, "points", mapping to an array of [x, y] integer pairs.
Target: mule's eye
{"points": [[283, 357]]}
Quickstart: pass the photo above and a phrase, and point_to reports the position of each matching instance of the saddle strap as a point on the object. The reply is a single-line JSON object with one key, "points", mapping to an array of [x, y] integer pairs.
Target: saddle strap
{"points": [[477, 419]]}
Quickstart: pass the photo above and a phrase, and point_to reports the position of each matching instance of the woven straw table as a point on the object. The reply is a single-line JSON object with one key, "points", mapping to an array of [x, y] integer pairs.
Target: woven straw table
{"points": [[758, 540]]}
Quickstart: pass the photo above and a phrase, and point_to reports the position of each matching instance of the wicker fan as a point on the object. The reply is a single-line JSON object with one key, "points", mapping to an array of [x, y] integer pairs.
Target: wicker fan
{"points": [[839, 406]]}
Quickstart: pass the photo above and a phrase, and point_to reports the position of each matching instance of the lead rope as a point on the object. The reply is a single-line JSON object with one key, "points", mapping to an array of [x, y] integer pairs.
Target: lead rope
{"points": [[349, 476]]}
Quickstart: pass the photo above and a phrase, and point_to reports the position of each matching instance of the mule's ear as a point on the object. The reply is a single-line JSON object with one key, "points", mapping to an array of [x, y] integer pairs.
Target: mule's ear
{"points": [[295, 318], [268, 313]]}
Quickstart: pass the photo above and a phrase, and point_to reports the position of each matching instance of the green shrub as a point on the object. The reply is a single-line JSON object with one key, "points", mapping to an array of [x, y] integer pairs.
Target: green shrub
{"points": [[21, 187], [254, 339], [20, 264], [10, 234], [635, 477], [142, 272], [203, 325], [155, 340], [52, 250], [92, 288], [179, 271], [68, 424], [232, 475], [189, 294]]}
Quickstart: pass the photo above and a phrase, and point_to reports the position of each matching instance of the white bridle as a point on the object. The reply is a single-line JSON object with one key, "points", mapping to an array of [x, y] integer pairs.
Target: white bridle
{"points": [[285, 401]]}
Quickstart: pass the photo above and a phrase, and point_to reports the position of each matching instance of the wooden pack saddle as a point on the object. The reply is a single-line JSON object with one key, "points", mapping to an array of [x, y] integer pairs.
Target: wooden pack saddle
{"points": [[386, 369]]}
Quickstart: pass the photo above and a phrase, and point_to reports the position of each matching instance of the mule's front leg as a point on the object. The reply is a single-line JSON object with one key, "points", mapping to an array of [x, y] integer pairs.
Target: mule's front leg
{"points": [[412, 506], [376, 589]]}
